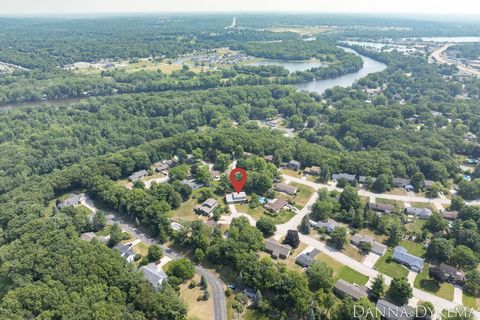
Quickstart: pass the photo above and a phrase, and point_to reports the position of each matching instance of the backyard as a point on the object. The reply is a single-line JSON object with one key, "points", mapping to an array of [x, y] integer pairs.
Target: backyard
{"points": [[425, 283], [389, 267], [341, 271]]}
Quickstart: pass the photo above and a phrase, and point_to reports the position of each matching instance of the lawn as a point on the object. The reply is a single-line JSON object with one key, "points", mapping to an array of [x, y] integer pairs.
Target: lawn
{"points": [[416, 226], [185, 211], [470, 301], [391, 268], [291, 173], [141, 249], [414, 248], [197, 309], [353, 252], [377, 236], [341, 271], [423, 205], [258, 212], [397, 191], [303, 195], [425, 283], [252, 314], [396, 204]]}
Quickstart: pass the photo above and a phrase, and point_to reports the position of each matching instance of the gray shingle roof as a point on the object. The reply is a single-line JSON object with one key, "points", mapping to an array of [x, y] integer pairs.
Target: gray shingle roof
{"points": [[390, 311], [345, 288], [401, 255], [153, 274]]}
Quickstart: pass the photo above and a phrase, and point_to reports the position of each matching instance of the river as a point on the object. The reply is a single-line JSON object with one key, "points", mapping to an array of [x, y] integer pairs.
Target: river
{"points": [[369, 66]]}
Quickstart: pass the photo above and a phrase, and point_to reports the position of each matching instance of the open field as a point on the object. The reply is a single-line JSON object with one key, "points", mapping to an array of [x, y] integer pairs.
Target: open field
{"points": [[197, 309], [341, 271], [425, 283], [303, 195], [396, 204], [415, 226]]}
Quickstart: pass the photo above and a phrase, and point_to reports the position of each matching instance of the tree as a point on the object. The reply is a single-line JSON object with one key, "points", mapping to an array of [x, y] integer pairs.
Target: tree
{"points": [[320, 276], [203, 175], [472, 283], [457, 202], [425, 309], [436, 223], [182, 269], [349, 199], [203, 282], [439, 250], [382, 183], [464, 257], [304, 226], [418, 181], [116, 235], [400, 291], [338, 238], [266, 226], [395, 234], [155, 253], [378, 287], [99, 221], [179, 172], [362, 309], [292, 238], [199, 254], [322, 210]]}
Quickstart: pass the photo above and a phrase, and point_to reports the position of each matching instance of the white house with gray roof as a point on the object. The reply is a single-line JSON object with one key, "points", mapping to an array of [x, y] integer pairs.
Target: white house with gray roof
{"points": [[154, 274], [421, 213], [72, 200], [138, 175]]}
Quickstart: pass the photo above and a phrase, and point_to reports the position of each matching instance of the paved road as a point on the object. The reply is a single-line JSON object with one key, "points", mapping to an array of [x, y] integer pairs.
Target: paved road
{"points": [[439, 57], [219, 305]]}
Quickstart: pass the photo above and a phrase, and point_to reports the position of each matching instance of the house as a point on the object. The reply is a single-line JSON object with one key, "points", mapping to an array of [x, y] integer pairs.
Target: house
{"points": [[389, 311], [421, 213], [193, 184], [313, 170], [126, 251], [294, 165], [428, 183], [381, 207], [234, 197], [450, 215], [328, 225], [165, 165], [400, 182], [215, 175], [401, 255], [376, 247], [89, 236], [409, 188], [207, 207], [285, 188], [250, 293], [276, 249], [344, 288], [154, 274], [72, 200], [138, 175], [268, 158], [306, 259], [343, 176], [276, 205], [449, 274], [176, 226]]}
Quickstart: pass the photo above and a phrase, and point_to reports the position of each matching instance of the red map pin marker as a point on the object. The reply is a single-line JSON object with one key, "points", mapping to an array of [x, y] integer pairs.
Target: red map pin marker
{"points": [[238, 184]]}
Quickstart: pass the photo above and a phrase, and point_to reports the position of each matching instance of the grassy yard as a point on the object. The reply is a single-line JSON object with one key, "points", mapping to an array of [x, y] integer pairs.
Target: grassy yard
{"points": [[391, 268], [377, 236], [252, 314], [197, 309], [416, 226], [185, 211], [396, 204], [292, 173], [425, 283], [258, 212], [303, 195], [141, 249], [397, 191], [414, 248], [424, 205], [471, 302], [290, 261], [341, 271], [353, 252]]}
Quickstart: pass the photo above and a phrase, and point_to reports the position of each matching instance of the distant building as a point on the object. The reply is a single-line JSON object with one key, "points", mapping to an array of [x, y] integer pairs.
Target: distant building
{"points": [[165, 165], [381, 207], [401, 255], [126, 251], [328, 225], [344, 288], [429, 183], [193, 184], [400, 182], [294, 165], [276, 249], [376, 247], [72, 200], [314, 171], [307, 258], [276, 205], [89, 236], [207, 207], [450, 215], [421, 213], [285, 188], [268, 158], [154, 274], [234, 197], [389, 311], [343, 176], [215, 175], [138, 175], [176, 226]]}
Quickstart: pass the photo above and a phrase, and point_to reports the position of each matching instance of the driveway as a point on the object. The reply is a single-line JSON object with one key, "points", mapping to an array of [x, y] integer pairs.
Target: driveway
{"points": [[370, 259]]}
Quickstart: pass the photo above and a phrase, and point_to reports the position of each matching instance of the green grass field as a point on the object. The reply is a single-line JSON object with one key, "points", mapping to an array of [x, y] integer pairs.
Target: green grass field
{"points": [[341, 271], [425, 283], [416, 226], [303, 195], [414, 248], [392, 268], [471, 302]]}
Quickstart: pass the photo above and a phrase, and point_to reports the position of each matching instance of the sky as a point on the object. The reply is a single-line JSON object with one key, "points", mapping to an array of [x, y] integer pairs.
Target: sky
{"points": [[59, 7]]}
